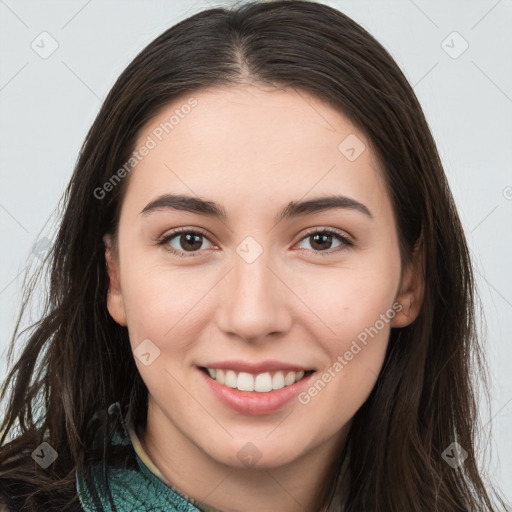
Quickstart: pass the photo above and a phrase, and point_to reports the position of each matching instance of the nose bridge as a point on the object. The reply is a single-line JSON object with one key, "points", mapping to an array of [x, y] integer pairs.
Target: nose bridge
{"points": [[253, 303]]}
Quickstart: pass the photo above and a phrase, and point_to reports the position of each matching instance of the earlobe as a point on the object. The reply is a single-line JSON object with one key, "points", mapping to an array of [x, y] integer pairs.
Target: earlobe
{"points": [[412, 290], [115, 304]]}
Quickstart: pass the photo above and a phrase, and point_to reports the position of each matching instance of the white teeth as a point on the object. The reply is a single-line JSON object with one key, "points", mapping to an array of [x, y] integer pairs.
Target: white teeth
{"points": [[261, 383], [299, 376], [278, 380], [289, 379], [219, 376], [230, 379], [245, 382]]}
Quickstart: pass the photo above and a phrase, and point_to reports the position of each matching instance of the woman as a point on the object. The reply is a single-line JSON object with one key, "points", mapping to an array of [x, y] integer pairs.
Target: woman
{"points": [[261, 294]]}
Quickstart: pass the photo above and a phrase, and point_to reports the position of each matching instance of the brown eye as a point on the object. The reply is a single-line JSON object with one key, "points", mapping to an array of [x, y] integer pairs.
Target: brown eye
{"points": [[322, 240], [183, 241], [190, 241]]}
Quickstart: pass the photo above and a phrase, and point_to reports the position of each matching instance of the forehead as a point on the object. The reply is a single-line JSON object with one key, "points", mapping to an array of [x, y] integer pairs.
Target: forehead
{"points": [[249, 145]]}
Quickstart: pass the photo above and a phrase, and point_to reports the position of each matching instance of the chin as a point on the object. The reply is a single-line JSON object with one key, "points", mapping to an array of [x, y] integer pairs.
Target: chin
{"points": [[258, 455]]}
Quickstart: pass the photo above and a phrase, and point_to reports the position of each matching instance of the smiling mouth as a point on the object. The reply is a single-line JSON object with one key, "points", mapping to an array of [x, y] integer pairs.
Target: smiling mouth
{"points": [[260, 383]]}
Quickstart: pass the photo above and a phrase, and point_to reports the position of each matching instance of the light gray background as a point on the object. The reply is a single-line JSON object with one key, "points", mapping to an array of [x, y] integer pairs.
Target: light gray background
{"points": [[48, 104]]}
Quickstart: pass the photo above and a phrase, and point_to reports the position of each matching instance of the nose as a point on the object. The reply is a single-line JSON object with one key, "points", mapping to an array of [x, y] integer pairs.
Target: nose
{"points": [[254, 301]]}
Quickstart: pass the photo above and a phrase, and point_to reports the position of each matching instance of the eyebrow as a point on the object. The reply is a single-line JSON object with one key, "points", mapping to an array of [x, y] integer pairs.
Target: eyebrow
{"points": [[292, 209]]}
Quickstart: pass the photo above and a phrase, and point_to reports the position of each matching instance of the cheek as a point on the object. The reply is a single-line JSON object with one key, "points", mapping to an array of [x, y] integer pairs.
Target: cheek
{"points": [[162, 304], [164, 307], [351, 298], [335, 396], [355, 304], [354, 358]]}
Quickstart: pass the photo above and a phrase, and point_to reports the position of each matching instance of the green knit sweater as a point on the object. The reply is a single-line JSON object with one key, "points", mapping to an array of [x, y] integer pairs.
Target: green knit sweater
{"points": [[134, 487]]}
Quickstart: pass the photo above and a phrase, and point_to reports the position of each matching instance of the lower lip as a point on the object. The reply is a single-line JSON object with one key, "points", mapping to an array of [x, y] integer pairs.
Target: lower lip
{"points": [[252, 402]]}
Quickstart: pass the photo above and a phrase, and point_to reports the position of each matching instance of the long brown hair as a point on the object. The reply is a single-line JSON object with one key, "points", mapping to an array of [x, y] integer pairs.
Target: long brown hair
{"points": [[77, 360]]}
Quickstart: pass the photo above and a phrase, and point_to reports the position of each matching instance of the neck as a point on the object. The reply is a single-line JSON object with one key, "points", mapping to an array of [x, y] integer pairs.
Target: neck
{"points": [[291, 487]]}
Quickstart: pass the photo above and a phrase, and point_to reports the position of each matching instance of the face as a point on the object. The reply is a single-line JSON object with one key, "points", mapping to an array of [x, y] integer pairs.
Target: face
{"points": [[297, 302]]}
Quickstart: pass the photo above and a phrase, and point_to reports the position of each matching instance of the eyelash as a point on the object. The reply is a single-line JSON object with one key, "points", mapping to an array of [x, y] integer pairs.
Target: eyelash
{"points": [[346, 242]]}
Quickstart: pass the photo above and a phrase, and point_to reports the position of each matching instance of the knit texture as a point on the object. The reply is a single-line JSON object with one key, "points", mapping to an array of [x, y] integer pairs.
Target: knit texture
{"points": [[134, 488]]}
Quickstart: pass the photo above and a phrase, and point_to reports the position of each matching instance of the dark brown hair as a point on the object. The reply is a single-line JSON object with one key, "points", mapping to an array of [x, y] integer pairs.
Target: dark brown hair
{"points": [[77, 360]]}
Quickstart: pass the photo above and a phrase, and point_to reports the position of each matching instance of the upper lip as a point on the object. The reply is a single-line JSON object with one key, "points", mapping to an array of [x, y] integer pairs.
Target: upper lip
{"points": [[256, 368]]}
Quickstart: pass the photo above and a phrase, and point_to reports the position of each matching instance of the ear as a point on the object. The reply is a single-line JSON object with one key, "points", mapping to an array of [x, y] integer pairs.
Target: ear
{"points": [[115, 304], [412, 289]]}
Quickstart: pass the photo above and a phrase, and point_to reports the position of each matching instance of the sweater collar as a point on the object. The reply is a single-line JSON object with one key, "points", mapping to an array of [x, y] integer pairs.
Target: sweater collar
{"points": [[137, 485]]}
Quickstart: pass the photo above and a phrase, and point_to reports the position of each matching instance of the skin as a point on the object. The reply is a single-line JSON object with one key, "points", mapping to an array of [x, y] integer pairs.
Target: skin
{"points": [[253, 150]]}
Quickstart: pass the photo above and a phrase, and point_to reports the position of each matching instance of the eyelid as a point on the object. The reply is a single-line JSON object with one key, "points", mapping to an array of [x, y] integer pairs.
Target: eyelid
{"points": [[325, 229], [345, 238], [164, 240]]}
